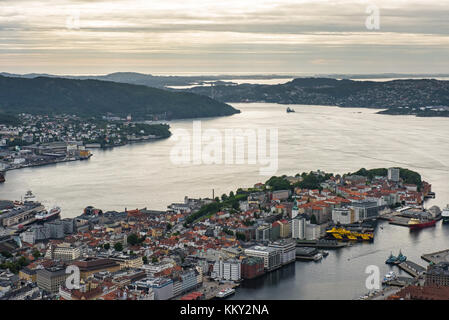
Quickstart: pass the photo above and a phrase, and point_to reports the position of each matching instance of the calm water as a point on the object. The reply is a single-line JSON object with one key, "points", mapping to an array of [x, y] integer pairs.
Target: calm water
{"points": [[341, 275], [315, 137]]}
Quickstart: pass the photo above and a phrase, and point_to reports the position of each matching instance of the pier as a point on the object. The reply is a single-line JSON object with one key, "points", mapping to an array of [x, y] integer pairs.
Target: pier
{"points": [[436, 257], [412, 268]]}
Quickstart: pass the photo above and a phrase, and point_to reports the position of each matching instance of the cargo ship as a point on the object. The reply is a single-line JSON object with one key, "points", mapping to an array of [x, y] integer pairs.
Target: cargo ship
{"points": [[48, 215], [445, 214], [346, 235], [415, 224]]}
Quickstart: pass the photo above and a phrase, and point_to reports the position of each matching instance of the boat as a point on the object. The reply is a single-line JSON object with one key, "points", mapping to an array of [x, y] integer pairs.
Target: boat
{"points": [[29, 195], [2, 177], [48, 215], [401, 257], [390, 276], [225, 293], [318, 257], [290, 110], [415, 224], [391, 259], [445, 214], [347, 235]]}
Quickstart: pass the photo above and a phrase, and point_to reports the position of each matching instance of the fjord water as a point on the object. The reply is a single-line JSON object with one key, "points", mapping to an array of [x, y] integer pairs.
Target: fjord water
{"points": [[332, 139]]}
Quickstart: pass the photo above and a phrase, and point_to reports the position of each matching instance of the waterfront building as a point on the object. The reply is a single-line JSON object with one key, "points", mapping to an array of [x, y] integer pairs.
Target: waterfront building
{"points": [[21, 214], [189, 280], [252, 267], [344, 216], [287, 249], [364, 210], [437, 274], [271, 256], [227, 270]]}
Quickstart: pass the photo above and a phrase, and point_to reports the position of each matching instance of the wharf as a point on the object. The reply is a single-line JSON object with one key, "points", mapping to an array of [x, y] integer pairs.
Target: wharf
{"points": [[402, 282], [412, 268], [400, 221], [321, 244], [436, 257]]}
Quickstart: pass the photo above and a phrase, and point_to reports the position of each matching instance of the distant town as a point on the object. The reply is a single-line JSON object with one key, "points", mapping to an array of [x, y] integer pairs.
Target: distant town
{"points": [[34, 140], [203, 249]]}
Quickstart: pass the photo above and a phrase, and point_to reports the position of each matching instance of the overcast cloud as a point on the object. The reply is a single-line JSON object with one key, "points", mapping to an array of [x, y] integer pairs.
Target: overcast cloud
{"points": [[174, 36]]}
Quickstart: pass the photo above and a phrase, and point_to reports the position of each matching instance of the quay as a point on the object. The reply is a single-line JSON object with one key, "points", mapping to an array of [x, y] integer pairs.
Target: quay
{"points": [[321, 244], [436, 257], [402, 282], [412, 268]]}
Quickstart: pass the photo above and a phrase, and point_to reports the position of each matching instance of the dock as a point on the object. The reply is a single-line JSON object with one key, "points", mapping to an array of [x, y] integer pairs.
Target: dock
{"points": [[436, 257], [399, 221], [402, 282], [321, 244], [412, 268]]}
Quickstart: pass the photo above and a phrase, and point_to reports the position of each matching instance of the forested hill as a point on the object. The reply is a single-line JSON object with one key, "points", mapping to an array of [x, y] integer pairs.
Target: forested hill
{"points": [[45, 95], [423, 97]]}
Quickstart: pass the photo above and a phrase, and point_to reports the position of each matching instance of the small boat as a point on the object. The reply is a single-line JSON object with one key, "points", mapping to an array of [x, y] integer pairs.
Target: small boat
{"points": [[445, 214], [390, 276], [401, 257], [225, 293], [290, 110], [2, 177], [391, 259], [29, 195]]}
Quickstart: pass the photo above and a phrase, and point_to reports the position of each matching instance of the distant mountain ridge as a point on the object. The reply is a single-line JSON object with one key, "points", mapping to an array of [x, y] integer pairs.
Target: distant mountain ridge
{"points": [[97, 98], [422, 97]]}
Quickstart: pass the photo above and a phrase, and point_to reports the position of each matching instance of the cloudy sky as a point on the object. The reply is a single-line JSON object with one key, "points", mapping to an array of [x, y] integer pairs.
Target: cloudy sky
{"points": [[217, 36]]}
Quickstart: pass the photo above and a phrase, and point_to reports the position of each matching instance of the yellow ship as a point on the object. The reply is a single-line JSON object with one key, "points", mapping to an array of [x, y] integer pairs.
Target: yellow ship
{"points": [[346, 235]]}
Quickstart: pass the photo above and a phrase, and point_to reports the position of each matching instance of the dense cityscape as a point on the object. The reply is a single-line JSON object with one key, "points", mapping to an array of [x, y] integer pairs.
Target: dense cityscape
{"points": [[205, 248], [33, 140]]}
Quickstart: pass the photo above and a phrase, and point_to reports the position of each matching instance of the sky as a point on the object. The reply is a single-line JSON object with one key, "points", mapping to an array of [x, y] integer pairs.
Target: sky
{"points": [[224, 36]]}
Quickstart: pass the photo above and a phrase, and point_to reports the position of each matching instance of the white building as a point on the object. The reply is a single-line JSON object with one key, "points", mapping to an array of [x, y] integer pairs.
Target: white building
{"points": [[271, 256], [287, 248], [344, 216], [393, 174], [227, 269]]}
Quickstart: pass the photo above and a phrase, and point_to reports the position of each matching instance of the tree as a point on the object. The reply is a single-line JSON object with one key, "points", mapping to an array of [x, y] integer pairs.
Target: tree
{"points": [[145, 260], [224, 197], [36, 253], [133, 239], [106, 246], [313, 219], [118, 246], [154, 260]]}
